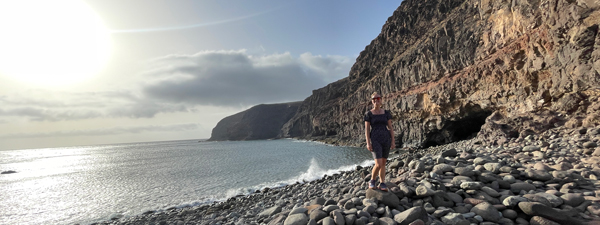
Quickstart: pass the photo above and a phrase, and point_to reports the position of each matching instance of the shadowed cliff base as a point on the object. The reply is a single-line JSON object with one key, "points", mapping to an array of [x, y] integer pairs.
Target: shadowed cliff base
{"points": [[462, 129]]}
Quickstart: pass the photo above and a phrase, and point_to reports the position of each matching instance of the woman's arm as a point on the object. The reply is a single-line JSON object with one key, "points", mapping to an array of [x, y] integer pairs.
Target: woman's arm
{"points": [[368, 135], [391, 134]]}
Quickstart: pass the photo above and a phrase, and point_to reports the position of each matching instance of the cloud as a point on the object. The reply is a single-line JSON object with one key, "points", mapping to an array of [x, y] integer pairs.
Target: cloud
{"points": [[185, 83], [43, 105], [332, 68], [107, 131], [146, 109], [41, 114], [235, 78]]}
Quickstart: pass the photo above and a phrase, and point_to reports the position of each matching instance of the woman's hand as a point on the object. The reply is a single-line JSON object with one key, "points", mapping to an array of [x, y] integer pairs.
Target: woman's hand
{"points": [[393, 145], [370, 147]]}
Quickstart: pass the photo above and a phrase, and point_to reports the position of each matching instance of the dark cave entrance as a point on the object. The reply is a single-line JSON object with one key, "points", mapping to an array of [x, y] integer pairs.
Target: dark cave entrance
{"points": [[457, 130]]}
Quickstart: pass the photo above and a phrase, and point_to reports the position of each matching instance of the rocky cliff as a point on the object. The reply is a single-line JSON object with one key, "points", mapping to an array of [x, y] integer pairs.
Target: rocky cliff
{"points": [[453, 69], [259, 122]]}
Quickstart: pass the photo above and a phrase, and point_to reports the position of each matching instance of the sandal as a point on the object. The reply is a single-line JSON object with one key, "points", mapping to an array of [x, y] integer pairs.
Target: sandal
{"points": [[383, 187], [372, 184]]}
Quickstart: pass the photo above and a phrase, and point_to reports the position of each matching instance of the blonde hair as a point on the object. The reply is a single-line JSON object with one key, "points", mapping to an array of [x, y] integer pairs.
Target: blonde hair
{"points": [[374, 93]]}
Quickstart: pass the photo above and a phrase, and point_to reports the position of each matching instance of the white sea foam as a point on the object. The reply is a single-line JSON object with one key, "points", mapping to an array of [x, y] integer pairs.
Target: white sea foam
{"points": [[314, 172], [314, 142]]}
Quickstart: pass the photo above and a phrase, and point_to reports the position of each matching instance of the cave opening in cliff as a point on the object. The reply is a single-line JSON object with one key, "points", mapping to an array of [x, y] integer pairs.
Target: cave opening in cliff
{"points": [[457, 130]]}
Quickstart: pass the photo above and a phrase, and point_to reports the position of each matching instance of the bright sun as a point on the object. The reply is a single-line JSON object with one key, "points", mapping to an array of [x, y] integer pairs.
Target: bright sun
{"points": [[55, 43]]}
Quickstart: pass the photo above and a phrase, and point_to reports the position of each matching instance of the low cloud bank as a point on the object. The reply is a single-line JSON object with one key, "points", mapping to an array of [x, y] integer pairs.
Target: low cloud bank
{"points": [[107, 131], [234, 78], [185, 83]]}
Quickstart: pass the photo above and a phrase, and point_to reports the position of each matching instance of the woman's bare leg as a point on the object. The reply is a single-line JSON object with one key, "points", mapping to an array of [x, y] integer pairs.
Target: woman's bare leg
{"points": [[381, 166], [375, 170]]}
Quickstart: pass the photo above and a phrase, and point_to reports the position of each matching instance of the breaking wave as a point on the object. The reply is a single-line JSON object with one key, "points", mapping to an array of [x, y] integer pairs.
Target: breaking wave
{"points": [[314, 172]]}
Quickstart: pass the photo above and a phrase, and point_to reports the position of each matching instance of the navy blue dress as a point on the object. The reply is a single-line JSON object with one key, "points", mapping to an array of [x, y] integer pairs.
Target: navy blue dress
{"points": [[380, 135]]}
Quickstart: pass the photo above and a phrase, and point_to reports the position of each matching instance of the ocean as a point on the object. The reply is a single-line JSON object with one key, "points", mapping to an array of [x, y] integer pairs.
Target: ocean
{"points": [[88, 184]]}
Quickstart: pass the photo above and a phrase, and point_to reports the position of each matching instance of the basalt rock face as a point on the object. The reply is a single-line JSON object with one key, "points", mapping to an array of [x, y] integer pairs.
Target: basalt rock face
{"points": [[258, 122], [453, 69]]}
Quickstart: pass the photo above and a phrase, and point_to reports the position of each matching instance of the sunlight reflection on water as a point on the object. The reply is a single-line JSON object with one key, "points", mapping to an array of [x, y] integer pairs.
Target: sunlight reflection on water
{"points": [[93, 183]]}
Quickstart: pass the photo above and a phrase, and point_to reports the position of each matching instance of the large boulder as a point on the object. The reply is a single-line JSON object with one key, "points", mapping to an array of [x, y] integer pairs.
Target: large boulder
{"points": [[338, 218], [440, 198], [539, 209], [454, 219], [449, 153], [554, 200], [385, 197], [464, 171], [538, 220], [298, 210], [296, 219], [270, 211], [512, 201], [410, 215], [487, 211], [518, 187], [572, 199], [396, 163], [386, 221], [442, 168], [540, 175], [492, 167], [317, 214], [424, 191], [470, 185], [328, 221]]}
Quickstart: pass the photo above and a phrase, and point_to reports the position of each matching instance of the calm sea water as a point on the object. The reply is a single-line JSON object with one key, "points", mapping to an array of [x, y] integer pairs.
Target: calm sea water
{"points": [[89, 184]]}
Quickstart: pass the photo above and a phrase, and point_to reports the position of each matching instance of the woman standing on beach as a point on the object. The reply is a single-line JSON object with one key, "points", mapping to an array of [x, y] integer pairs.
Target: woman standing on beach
{"points": [[380, 138]]}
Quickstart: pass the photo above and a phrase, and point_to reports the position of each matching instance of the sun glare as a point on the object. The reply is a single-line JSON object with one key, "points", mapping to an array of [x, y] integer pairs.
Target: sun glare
{"points": [[51, 43]]}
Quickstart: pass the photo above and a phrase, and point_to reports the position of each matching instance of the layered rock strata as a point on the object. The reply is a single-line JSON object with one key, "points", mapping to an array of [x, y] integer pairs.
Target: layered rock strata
{"points": [[259, 122], [551, 178], [443, 67]]}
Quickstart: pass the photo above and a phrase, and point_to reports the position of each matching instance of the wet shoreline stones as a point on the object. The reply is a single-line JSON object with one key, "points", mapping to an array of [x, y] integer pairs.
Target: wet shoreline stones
{"points": [[551, 178]]}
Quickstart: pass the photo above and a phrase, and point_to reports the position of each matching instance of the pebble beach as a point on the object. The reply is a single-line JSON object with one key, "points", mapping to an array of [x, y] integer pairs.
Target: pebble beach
{"points": [[550, 178]]}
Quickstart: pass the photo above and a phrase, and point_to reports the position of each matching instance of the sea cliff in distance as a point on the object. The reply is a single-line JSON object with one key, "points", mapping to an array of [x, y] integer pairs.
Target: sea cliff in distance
{"points": [[259, 122], [458, 69]]}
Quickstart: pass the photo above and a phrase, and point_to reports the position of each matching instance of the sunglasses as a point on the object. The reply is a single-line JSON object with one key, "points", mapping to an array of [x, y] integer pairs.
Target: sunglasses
{"points": [[377, 98]]}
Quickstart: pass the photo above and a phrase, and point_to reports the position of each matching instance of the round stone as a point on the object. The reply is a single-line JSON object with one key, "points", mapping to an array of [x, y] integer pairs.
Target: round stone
{"points": [[509, 178], [469, 185], [442, 168], [531, 148], [487, 211], [590, 144], [518, 187], [512, 201], [509, 213], [573, 199]]}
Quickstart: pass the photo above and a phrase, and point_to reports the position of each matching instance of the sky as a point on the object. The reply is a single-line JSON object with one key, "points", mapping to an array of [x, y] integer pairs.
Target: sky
{"points": [[94, 72]]}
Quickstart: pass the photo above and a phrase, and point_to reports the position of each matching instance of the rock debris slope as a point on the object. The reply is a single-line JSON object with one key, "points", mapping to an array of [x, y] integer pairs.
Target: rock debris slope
{"points": [[448, 67]]}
